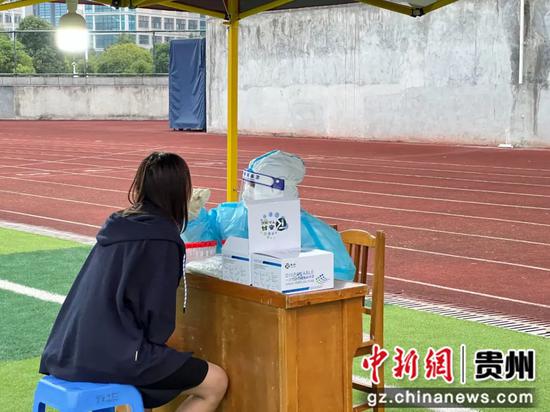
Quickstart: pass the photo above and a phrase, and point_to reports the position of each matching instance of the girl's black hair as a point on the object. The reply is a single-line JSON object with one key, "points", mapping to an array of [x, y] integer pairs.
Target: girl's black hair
{"points": [[164, 180]]}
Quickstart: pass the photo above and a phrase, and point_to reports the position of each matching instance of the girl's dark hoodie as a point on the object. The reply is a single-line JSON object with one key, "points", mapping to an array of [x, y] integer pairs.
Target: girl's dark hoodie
{"points": [[121, 308]]}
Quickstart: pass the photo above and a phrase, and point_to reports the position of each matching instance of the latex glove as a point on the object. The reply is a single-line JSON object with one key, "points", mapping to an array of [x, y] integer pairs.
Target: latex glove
{"points": [[198, 200]]}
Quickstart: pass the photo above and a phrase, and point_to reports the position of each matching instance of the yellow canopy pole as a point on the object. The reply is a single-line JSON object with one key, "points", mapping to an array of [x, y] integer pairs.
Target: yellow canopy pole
{"points": [[232, 100]]}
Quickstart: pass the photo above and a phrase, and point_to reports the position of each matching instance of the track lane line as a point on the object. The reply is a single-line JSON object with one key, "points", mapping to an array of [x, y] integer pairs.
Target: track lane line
{"points": [[118, 207], [469, 292], [494, 219], [67, 141], [128, 168], [309, 166], [434, 199], [59, 199], [325, 157], [408, 210], [53, 219], [499, 262], [366, 222], [75, 158], [31, 292], [395, 195]]}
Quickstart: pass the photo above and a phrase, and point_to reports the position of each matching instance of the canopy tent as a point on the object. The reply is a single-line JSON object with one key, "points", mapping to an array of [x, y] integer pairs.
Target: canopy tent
{"points": [[232, 11]]}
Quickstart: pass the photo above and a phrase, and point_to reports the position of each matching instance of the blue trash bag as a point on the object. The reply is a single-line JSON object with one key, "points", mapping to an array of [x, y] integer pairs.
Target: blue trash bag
{"points": [[231, 219], [316, 234], [200, 229]]}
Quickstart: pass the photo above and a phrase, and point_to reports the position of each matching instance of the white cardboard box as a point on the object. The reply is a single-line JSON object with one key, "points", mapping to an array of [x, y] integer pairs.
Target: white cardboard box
{"points": [[274, 225], [236, 261], [293, 271]]}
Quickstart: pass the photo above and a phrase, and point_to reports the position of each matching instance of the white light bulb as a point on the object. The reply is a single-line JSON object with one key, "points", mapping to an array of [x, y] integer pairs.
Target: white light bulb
{"points": [[72, 34], [72, 39]]}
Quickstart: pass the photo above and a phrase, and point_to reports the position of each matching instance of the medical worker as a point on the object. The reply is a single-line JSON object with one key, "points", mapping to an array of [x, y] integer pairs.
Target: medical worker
{"points": [[276, 176]]}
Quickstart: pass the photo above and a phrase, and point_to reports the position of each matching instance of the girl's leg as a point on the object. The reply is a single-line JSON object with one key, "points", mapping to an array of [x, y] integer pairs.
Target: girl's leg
{"points": [[207, 396]]}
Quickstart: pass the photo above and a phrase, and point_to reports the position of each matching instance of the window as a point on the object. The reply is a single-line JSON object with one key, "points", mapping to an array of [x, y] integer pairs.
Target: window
{"points": [[192, 24], [155, 21], [168, 24], [131, 22], [107, 22], [143, 22], [180, 24], [102, 41], [103, 9], [203, 24], [157, 40], [88, 8], [8, 18], [144, 40], [17, 18]]}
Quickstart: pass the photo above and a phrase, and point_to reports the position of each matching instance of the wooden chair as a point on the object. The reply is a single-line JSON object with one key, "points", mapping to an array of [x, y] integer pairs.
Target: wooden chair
{"points": [[358, 243]]}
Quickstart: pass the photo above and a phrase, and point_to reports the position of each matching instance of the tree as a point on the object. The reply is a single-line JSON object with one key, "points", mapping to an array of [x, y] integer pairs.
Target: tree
{"points": [[125, 58], [41, 46], [23, 63], [35, 40], [126, 38], [82, 66], [49, 60], [161, 53]]}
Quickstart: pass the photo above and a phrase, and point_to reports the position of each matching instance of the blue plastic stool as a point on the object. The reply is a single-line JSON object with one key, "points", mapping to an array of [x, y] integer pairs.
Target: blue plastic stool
{"points": [[68, 396]]}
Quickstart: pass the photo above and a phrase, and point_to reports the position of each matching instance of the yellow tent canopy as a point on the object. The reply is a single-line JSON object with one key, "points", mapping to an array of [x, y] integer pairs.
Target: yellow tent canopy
{"points": [[232, 11]]}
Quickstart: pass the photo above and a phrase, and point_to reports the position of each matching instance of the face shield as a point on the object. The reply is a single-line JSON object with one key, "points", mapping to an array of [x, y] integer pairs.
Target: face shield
{"points": [[259, 186]]}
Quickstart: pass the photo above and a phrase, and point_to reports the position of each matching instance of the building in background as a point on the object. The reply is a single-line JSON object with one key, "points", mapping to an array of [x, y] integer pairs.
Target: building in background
{"points": [[151, 20], [105, 19], [9, 20], [50, 12]]}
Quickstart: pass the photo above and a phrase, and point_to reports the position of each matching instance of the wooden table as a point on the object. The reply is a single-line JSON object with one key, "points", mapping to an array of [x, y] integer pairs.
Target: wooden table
{"points": [[281, 352]]}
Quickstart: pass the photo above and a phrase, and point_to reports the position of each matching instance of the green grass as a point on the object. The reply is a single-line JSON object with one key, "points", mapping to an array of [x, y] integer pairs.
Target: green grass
{"points": [[412, 329], [52, 270], [12, 241], [52, 264], [26, 325], [17, 383]]}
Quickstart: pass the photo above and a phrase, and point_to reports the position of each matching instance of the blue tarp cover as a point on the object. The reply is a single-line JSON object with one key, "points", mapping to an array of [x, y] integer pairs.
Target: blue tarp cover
{"points": [[187, 84]]}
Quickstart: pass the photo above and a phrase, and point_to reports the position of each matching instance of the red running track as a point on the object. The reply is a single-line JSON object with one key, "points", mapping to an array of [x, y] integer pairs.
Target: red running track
{"points": [[465, 225]]}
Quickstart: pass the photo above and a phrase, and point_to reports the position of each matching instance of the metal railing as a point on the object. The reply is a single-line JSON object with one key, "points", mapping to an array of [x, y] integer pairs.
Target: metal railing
{"points": [[31, 53]]}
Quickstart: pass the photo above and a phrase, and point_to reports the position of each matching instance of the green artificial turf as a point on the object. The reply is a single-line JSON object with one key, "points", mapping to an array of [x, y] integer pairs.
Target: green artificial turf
{"points": [[50, 270], [17, 384], [26, 324], [13, 241], [51, 265], [408, 328]]}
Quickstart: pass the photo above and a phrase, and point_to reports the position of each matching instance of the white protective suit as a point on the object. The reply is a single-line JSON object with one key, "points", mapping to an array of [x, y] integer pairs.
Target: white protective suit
{"points": [[274, 175]]}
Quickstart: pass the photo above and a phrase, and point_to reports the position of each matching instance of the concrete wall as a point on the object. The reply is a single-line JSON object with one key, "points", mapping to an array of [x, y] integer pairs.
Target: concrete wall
{"points": [[358, 71], [83, 98]]}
